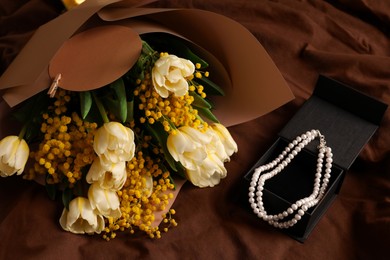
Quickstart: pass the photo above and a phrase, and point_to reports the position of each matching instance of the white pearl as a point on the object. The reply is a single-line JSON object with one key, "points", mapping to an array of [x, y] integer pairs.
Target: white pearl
{"points": [[297, 217], [290, 211], [301, 212], [294, 206]]}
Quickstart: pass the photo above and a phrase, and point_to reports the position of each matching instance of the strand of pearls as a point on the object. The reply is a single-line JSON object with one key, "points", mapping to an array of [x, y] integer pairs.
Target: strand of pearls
{"points": [[267, 171]]}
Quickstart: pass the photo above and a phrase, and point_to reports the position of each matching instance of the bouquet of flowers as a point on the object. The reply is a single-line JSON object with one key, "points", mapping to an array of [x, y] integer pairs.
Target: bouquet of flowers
{"points": [[112, 154], [128, 116]]}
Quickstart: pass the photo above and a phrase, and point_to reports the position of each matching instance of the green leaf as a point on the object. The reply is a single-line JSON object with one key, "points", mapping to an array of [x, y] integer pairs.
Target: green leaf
{"points": [[31, 108], [207, 114], [159, 133], [120, 92], [199, 101], [67, 196], [51, 190], [29, 113], [130, 111], [85, 103], [210, 87]]}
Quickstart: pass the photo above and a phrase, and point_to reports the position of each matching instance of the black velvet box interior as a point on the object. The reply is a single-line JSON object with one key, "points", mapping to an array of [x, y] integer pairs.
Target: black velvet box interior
{"points": [[347, 119]]}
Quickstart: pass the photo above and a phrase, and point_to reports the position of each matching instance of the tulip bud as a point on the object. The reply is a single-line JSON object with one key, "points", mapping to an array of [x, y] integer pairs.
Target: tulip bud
{"points": [[170, 74], [104, 201], [114, 143], [109, 176], [14, 153], [81, 218]]}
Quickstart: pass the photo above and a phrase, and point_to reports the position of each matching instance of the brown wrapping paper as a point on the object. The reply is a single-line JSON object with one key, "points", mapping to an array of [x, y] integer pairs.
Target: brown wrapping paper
{"points": [[239, 63]]}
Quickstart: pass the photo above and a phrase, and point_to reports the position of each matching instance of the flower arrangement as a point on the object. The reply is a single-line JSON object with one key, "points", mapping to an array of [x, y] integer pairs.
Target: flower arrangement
{"points": [[111, 154]]}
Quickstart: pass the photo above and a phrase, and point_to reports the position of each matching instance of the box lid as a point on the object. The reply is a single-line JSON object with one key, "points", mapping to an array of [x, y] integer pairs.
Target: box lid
{"points": [[346, 117]]}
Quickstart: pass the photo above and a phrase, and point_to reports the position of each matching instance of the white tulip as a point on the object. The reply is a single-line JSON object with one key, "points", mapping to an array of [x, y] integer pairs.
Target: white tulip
{"points": [[14, 153], [201, 153], [211, 170], [81, 218], [187, 146], [109, 176], [104, 201], [170, 74], [114, 143]]}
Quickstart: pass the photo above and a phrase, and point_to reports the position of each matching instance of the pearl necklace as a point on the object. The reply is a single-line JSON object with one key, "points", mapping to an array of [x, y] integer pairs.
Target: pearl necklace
{"points": [[276, 166]]}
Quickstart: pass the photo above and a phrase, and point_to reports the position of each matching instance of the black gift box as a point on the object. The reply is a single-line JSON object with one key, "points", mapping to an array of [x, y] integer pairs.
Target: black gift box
{"points": [[347, 119]]}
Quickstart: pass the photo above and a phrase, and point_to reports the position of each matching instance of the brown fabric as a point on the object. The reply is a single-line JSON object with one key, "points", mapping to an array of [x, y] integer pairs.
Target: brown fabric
{"points": [[347, 40]]}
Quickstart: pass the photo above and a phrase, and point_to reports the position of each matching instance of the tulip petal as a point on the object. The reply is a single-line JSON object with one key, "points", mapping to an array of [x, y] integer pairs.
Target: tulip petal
{"points": [[21, 156], [95, 171], [8, 147], [100, 141]]}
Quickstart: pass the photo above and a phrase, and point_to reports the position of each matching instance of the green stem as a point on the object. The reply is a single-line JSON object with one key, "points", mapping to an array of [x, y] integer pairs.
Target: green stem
{"points": [[23, 131], [100, 106]]}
